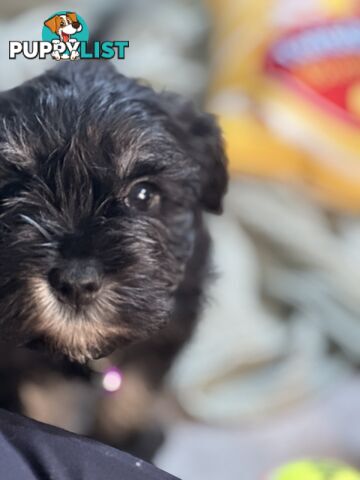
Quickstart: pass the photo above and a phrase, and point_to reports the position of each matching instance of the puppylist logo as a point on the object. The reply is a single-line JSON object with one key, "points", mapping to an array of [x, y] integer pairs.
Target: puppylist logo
{"points": [[65, 36]]}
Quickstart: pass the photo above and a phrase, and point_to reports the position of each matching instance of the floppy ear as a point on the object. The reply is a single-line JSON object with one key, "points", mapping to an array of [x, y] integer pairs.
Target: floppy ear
{"points": [[204, 137], [72, 16], [52, 23]]}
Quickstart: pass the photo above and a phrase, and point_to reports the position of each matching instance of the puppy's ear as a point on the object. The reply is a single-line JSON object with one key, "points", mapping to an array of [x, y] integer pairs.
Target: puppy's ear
{"points": [[72, 16], [52, 23], [204, 137]]}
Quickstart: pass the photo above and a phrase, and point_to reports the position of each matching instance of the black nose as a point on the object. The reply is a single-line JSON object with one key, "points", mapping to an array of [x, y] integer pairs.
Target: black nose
{"points": [[77, 281], [76, 24]]}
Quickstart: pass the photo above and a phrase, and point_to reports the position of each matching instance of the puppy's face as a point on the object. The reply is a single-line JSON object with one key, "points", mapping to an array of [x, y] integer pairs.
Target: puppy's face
{"points": [[102, 185]]}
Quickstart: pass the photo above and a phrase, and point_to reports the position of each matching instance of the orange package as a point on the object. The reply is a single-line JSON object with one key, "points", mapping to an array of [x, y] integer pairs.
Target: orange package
{"points": [[286, 86]]}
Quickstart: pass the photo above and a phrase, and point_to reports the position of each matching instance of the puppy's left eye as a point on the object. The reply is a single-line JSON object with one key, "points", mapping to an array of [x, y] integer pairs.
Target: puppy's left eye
{"points": [[144, 197]]}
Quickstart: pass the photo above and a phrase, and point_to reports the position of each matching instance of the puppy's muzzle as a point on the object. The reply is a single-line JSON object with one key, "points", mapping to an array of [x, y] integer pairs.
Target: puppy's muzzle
{"points": [[76, 282]]}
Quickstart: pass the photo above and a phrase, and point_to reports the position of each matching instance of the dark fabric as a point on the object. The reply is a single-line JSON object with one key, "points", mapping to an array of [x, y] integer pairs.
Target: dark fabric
{"points": [[31, 450]]}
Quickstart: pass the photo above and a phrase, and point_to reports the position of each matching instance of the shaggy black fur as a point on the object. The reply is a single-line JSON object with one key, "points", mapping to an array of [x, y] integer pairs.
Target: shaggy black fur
{"points": [[99, 172]]}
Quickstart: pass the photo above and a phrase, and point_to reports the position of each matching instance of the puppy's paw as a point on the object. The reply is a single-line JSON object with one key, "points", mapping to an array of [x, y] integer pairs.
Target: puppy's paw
{"points": [[74, 55], [56, 55]]}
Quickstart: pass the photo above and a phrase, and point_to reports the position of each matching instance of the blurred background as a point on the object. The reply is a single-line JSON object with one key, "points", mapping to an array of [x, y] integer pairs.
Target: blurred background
{"points": [[271, 374]]}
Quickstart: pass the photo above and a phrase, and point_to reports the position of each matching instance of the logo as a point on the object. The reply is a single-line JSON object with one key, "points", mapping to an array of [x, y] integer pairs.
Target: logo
{"points": [[67, 28], [65, 36]]}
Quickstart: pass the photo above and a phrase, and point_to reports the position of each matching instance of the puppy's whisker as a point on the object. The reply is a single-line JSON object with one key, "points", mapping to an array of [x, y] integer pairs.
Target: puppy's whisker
{"points": [[4, 225], [37, 226], [102, 205], [49, 244]]}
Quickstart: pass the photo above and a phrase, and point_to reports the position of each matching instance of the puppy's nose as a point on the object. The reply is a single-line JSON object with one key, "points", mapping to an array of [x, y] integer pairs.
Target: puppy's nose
{"points": [[76, 24], [76, 281]]}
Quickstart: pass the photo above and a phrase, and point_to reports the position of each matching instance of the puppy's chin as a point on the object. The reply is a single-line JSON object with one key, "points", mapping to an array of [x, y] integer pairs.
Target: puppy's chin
{"points": [[80, 335], [47, 345]]}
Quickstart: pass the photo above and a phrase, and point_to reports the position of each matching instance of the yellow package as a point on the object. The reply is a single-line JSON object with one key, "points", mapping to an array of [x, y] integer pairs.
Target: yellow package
{"points": [[286, 85]]}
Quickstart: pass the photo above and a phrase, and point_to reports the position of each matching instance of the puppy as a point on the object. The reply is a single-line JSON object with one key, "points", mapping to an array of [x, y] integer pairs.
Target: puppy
{"points": [[103, 186]]}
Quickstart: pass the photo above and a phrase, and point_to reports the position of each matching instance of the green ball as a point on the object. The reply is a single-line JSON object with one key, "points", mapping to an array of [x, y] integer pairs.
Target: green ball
{"points": [[309, 470]]}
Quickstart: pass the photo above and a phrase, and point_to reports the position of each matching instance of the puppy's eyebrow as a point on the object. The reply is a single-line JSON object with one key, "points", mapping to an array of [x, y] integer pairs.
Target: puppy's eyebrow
{"points": [[144, 169]]}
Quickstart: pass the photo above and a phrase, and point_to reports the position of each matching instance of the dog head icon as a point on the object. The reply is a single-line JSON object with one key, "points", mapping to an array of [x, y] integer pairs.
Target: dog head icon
{"points": [[64, 25]]}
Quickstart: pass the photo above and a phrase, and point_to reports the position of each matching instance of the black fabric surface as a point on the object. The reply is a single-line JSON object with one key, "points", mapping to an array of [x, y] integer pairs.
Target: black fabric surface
{"points": [[31, 450]]}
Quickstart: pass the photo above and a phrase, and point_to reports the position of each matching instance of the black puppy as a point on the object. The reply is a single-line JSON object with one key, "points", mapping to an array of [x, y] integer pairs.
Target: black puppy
{"points": [[103, 184]]}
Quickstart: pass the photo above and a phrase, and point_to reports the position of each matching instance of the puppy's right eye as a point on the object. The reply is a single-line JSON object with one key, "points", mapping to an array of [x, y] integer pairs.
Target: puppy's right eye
{"points": [[143, 197]]}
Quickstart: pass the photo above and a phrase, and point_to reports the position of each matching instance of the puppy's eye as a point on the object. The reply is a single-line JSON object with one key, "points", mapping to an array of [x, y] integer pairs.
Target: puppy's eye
{"points": [[144, 197]]}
